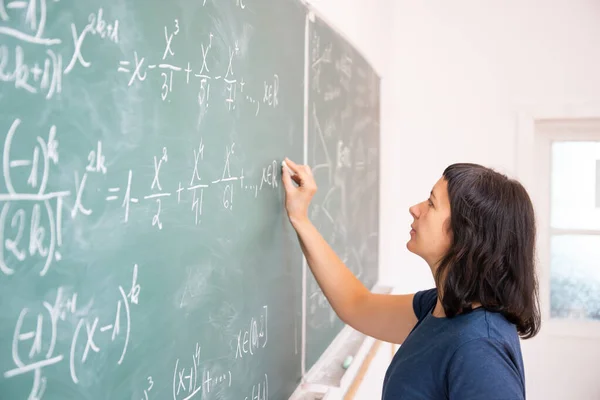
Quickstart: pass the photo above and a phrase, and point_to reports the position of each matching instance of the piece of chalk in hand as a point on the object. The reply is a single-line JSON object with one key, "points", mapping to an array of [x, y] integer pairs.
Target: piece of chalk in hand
{"points": [[284, 165], [347, 362]]}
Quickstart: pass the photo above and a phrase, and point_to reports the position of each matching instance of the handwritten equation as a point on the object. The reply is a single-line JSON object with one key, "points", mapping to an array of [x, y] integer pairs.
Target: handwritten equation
{"points": [[344, 156], [29, 206], [193, 379], [44, 239], [27, 345], [205, 76], [250, 340], [227, 182], [45, 75], [61, 185]]}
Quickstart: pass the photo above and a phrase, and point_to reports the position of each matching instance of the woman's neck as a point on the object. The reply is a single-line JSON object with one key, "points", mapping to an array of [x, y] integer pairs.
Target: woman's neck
{"points": [[439, 312]]}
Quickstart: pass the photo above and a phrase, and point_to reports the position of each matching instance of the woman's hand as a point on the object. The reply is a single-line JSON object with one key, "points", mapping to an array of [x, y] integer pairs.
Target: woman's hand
{"points": [[297, 198]]}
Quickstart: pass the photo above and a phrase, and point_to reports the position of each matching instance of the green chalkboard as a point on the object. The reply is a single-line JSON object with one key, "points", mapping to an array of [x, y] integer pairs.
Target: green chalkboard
{"points": [[343, 151], [144, 249]]}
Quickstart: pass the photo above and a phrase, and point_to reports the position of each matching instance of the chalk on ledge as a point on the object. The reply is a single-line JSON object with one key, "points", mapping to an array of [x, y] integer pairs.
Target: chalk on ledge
{"points": [[347, 362]]}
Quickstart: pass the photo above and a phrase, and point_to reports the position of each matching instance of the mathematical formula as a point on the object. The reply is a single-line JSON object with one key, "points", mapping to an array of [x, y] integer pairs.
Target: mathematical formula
{"points": [[47, 191], [340, 152], [59, 314], [44, 213], [45, 75], [250, 340], [28, 205], [138, 68], [66, 187], [192, 377]]}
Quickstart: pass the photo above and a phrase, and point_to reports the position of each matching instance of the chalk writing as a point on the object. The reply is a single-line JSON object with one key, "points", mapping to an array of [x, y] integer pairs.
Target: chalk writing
{"points": [[342, 116], [34, 21], [260, 390], [96, 160], [64, 307], [156, 184], [35, 360], [127, 199], [253, 338], [122, 314], [45, 240], [150, 385], [45, 75], [344, 66], [271, 92], [35, 205], [319, 57], [96, 26], [227, 181], [138, 68], [96, 165], [196, 378], [127, 157]]}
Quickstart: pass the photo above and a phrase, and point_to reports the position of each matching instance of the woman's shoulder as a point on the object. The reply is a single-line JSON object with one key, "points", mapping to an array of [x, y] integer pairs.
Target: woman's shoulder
{"points": [[484, 325], [423, 302], [481, 324], [499, 328], [476, 324]]}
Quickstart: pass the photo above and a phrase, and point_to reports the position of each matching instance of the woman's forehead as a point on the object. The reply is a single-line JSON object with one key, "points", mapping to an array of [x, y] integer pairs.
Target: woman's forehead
{"points": [[440, 189]]}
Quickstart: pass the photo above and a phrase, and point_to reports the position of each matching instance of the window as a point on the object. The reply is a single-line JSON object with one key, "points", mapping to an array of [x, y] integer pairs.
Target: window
{"points": [[567, 200], [575, 230]]}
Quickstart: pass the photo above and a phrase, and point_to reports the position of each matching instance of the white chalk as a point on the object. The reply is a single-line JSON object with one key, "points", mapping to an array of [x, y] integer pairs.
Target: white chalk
{"points": [[347, 361], [283, 164]]}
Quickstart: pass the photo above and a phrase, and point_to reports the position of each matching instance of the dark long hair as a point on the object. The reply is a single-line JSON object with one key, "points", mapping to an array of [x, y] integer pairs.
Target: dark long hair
{"points": [[492, 256]]}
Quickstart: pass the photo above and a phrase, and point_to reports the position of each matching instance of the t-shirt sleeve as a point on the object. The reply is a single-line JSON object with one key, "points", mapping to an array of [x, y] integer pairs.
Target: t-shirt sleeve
{"points": [[483, 369], [423, 302]]}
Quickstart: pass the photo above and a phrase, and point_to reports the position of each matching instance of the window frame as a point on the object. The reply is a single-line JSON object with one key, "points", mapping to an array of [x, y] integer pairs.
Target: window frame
{"points": [[536, 132]]}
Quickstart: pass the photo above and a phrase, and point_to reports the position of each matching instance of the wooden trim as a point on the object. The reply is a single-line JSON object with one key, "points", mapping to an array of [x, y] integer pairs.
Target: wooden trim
{"points": [[362, 371]]}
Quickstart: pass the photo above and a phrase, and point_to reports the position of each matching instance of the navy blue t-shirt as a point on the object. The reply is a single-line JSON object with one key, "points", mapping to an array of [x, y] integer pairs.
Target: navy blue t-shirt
{"points": [[476, 355]]}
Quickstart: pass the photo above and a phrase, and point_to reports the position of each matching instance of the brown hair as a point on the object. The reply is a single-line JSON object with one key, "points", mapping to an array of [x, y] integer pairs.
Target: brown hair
{"points": [[492, 256]]}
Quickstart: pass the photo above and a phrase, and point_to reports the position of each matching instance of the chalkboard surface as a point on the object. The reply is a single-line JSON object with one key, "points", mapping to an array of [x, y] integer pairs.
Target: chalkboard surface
{"points": [[144, 249], [343, 151]]}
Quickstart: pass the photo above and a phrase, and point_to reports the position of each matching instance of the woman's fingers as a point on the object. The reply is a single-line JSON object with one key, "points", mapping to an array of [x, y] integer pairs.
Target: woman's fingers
{"points": [[297, 179], [295, 168], [308, 170], [287, 179], [301, 174]]}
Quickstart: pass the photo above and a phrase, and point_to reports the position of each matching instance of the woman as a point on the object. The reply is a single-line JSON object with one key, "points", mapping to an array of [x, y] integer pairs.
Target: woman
{"points": [[459, 340]]}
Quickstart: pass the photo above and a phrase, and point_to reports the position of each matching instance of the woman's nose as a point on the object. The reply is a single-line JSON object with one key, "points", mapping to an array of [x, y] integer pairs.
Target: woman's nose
{"points": [[414, 211]]}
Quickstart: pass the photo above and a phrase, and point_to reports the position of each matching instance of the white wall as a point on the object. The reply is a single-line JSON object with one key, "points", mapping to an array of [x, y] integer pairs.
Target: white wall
{"points": [[460, 71], [455, 73]]}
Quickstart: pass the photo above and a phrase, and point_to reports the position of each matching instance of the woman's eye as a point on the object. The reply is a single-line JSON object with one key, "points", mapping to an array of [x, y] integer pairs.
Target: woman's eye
{"points": [[430, 203]]}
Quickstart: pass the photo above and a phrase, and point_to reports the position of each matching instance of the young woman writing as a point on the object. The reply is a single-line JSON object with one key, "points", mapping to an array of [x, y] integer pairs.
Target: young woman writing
{"points": [[460, 340]]}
